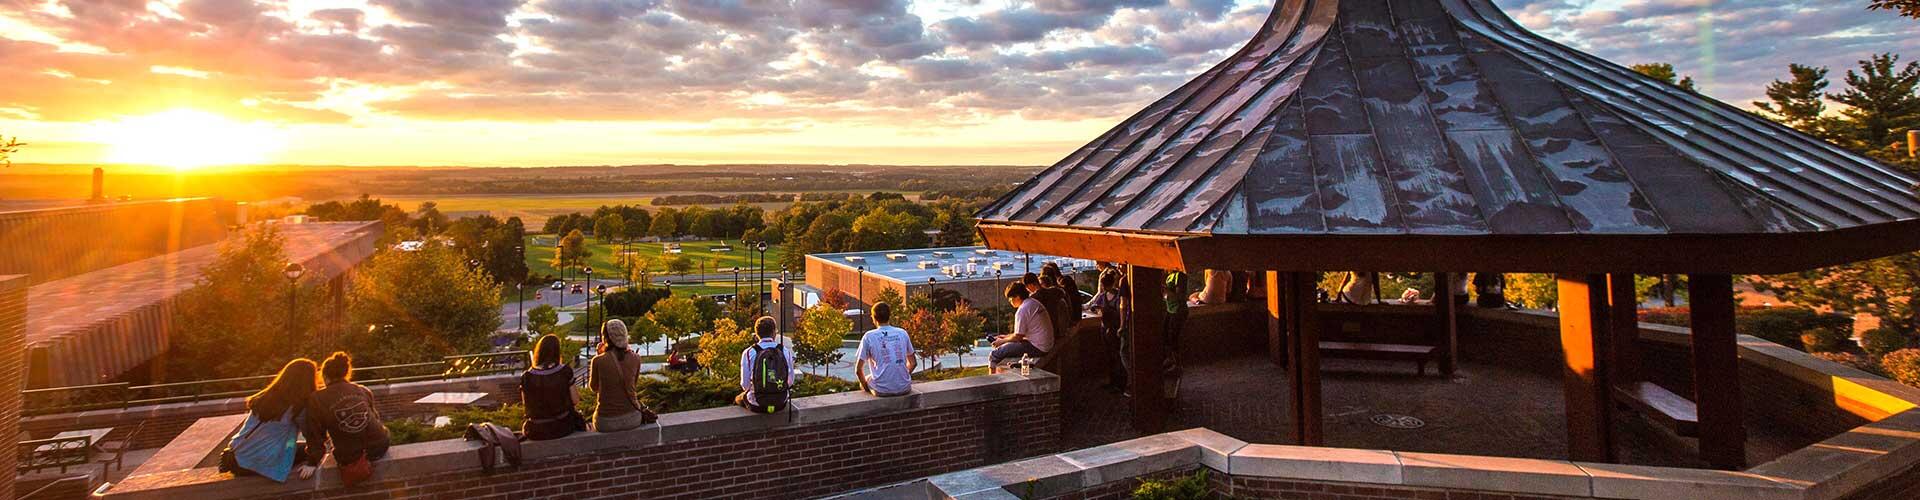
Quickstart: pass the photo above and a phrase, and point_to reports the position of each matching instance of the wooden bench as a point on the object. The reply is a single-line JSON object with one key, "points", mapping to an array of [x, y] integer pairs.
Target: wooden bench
{"points": [[1660, 405], [1382, 352]]}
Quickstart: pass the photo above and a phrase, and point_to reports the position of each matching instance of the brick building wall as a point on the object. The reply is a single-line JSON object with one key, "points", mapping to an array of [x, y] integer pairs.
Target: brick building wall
{"points": [[720, 453], [161, 423], [75, 240], [13, 365]]}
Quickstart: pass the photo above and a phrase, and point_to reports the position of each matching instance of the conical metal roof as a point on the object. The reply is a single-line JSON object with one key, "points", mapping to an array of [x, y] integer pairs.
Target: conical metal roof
{"points": [[1444, 117]]}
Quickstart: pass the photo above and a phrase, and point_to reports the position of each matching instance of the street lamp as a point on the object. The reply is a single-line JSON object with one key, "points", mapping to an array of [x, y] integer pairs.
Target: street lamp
{"points": [[520, 299], [760, 280], [736, 286], [588, 273], [293, 272], [863, 298]]}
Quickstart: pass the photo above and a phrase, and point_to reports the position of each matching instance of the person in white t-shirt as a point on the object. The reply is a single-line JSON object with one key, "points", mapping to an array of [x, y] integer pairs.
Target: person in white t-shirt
{"points": [[884, 362], [1032, 328]]}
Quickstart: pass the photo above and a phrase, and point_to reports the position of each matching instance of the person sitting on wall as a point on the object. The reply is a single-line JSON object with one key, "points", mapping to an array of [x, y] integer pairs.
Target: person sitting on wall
{"points": [[612, 374], [1032, 328], [884, 362], [546, 388], [266, 444], [343, 412], [1052, 299], [766, 371]]}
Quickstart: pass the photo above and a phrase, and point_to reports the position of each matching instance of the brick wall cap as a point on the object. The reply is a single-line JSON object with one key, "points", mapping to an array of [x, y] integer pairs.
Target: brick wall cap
{"points": [[1132, 458], [1851, 460], [1215, 448], [1645, 482], [1507, 475], [1316, 463]]}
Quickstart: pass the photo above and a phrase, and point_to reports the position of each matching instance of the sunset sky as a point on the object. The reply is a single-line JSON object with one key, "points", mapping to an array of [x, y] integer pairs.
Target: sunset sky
{"points": [[572, 82]]}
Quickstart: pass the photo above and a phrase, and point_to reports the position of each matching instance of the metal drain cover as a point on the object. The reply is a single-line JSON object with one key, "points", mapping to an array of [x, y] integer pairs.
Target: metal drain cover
{"points": [[1392, 421]]}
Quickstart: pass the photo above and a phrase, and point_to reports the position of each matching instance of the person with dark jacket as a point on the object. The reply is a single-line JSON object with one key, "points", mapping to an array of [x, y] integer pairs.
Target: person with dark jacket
{"points": [[266, 443], [546, 388], [1050, 273], [1054, 300], [343, 413]]}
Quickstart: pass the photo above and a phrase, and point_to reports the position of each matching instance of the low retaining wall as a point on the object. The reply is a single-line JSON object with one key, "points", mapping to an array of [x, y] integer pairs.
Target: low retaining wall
{"points": [[164, 422], [825, 444]]}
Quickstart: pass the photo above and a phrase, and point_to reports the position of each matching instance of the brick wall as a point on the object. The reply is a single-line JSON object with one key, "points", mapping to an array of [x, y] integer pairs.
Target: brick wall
{"points": [[164, 422], [1255, 487], [859, 442], [13, 365], [1902, 486]]}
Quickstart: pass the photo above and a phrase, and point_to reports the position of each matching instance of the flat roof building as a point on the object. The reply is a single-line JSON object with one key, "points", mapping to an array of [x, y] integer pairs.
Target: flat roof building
{"points": [[976, 273]]}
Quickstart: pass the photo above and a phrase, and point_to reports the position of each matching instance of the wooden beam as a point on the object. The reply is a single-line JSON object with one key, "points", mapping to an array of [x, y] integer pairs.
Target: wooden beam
{"points": [[1304, 366], [1554, 253], [1583, 333], [1447, 322], [1276, 317], [1716, 371], [1623, 344], [1156, 251], [1146, 288]]}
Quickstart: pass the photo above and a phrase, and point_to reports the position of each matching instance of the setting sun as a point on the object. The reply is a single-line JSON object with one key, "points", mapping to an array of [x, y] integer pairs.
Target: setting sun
{"points": [[186, 139]]}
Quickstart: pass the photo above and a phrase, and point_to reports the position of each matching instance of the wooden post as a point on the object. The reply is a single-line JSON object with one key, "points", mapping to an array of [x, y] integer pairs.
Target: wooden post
{"points": [[1623, 357], [1304, 366], [1147, 289], [1446, 315], [1583, 335], [1716, 372], [1276, 317]]}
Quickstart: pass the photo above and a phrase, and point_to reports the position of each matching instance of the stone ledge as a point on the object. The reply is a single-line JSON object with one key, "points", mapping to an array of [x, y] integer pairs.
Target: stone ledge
{"points": [[1316, 464], [1216, 449], [1651, 483], [1852, 460], [205, 437], [1506, 475], [457, 455]]}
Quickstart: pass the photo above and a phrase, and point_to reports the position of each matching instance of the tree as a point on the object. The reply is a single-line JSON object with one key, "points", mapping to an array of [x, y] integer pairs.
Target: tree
{"points": [[230, 325], [418, 306], [1665, 72], [1909, 8], [1800, 101], [429, 221], [678, 317], [543, 319], [925, 329], [721, 346], [608, 228], [573, 251], [666, 224], [963, 326], [1882, 103], [633, 229], [644, 332], [1887, 288], [679, 264], [822, 330], [9, 146]]}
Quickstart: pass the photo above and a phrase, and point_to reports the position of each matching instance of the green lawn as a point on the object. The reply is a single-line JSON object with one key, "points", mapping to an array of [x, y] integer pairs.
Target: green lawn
{"points": [[540, 257]]}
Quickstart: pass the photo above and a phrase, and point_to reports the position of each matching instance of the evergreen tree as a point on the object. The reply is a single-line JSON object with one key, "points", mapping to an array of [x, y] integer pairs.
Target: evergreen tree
{"points": [[1883, 103], [1665, 72], [1800, 101]]}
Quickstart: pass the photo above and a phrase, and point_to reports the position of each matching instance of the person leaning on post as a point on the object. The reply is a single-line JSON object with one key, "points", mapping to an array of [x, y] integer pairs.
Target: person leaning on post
{"points": [[884, 362]]}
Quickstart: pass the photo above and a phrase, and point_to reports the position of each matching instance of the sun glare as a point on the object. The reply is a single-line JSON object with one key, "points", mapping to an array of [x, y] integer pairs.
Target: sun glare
{"points": [[186, 139]]}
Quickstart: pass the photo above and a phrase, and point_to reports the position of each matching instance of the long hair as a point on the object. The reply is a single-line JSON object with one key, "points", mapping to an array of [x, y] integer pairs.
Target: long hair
{"points": [[288, 390], [546, 351]]}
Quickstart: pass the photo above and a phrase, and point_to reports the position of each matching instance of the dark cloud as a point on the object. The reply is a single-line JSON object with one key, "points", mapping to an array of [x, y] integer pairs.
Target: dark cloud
{"points": [[1012, 26]]}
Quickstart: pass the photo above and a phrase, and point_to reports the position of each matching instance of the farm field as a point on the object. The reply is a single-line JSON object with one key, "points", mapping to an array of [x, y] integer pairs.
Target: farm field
{"points": [[534, 209], [539, 251]]}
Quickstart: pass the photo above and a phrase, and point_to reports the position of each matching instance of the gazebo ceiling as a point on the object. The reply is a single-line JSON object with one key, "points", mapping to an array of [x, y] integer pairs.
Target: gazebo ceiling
{"points": [[1380, 124]]}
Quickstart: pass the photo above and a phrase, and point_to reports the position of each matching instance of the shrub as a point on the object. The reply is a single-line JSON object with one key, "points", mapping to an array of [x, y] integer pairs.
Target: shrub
{"points": [[720, 349], [1902, 365], [1850, 359], [1780, 325], [413, 431], [1825, 340], [1192, 487], [698, 391], [939, 374], [1883, 340], [1672, 316]]}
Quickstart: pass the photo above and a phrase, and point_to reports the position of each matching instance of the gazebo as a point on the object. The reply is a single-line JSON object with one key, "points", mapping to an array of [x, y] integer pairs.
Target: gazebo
{"points": [[1441, 136]]}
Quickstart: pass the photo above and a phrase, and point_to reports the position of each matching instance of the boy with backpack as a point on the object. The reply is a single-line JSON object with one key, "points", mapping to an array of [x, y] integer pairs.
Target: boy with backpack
{"points": [[766, 371]]}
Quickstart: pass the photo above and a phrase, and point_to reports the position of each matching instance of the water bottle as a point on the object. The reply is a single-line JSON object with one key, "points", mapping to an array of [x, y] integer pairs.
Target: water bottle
{"points": [[1026, 365]]}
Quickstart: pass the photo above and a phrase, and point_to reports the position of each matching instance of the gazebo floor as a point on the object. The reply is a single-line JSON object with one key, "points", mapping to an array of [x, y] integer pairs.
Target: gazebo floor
{"points": [[1482, 410]]}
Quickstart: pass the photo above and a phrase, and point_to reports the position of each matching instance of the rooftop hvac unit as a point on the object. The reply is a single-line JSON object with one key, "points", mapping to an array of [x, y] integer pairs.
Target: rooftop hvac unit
{"points": [[976, 260], [1003, 265], [856, 259], [928, 264], [942, 255], [897, 257], [986, 251], [972, 269]]}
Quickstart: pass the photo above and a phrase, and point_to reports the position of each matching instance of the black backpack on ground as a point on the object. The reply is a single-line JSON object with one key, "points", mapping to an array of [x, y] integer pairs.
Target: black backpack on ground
{"points": [[770, 378]]}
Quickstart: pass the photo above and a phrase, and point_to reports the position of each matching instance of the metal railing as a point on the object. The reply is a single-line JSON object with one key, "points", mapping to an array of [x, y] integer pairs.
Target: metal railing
{"points": [[123, 395], [40, 454]]}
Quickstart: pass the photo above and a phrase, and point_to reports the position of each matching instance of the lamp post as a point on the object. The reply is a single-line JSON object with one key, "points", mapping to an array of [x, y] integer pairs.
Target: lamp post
{"points": [[293, 272], [736, 286], [520, 301], [760, 281], [862, 324], [587, 272]]}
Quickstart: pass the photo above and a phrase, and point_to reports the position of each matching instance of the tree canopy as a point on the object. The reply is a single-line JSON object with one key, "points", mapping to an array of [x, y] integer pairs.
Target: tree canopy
{"points": [[418, 306], [1665, 72]]}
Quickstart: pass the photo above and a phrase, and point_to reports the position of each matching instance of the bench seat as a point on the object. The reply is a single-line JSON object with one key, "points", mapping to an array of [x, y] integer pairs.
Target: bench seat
{"points": [[1660, 405], [1383, 352]]}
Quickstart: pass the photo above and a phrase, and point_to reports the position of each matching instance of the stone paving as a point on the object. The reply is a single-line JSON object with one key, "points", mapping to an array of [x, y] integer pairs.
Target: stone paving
{"points": [[1482, 410]]}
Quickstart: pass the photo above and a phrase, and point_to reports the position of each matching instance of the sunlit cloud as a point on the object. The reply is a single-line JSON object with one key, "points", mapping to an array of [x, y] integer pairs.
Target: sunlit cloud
{"points": [[542, 82]]}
